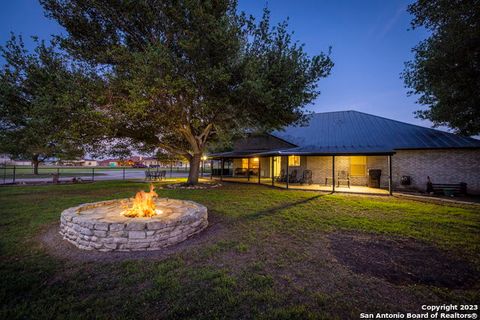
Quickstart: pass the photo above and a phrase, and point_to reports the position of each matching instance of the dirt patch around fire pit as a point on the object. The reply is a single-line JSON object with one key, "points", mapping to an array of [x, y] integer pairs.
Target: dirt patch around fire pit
{"points": [[51, 240], [401, 261]]}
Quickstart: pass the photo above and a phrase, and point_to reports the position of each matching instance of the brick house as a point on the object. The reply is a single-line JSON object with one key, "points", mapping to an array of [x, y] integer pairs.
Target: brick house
{"points": [[352, 151]]}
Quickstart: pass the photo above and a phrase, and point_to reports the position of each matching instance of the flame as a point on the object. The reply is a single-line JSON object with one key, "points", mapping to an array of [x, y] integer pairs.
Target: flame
{"points": [[143, 204]]}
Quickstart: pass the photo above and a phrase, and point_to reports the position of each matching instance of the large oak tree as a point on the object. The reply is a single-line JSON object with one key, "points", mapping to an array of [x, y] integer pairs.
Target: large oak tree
{"points": [[181, 72], [446, 69], [44, 110]]}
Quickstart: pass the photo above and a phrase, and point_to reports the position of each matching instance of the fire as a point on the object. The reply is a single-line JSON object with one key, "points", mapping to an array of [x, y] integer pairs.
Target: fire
{"points": [[143, 204]]}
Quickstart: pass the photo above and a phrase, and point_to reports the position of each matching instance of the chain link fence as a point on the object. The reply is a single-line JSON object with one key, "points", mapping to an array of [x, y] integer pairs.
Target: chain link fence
{"points": [[53, 174]]}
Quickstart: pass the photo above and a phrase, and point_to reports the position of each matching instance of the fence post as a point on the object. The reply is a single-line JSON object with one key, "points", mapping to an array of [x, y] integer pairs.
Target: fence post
{"points": [[123, 173], [14, 172], [171, 169], [4, 173], [58, 173], [93, 174]]}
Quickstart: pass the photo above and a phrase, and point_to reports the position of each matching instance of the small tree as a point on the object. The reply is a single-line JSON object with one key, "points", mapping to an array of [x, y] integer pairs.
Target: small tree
{"points": [[446, 68], [42, 112], [180, 73]]}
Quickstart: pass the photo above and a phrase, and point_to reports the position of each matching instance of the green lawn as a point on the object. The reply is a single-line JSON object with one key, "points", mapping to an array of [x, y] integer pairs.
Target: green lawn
{"points": [[268, 255]]}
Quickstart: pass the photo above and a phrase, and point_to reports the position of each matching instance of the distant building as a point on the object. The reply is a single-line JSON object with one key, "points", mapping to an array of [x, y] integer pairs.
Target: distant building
{"points": [[109, 163], [70, 163], [90, 163], [21, 162], [150, 162]]}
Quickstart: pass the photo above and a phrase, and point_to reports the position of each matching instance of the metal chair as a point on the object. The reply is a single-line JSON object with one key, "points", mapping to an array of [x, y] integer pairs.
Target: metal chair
{"points": [[343, 176], [148, 175], [307, 177], [163, 175], [292, 177]]}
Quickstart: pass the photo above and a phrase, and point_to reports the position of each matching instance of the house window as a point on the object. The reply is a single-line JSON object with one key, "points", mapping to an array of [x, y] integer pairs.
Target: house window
{"points": [[244, 163], [254, 163], [358, 166], [294, 161]]}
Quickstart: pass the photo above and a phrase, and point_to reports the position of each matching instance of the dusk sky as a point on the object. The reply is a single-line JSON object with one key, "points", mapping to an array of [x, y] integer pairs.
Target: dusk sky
{"points": [[370, 42]]}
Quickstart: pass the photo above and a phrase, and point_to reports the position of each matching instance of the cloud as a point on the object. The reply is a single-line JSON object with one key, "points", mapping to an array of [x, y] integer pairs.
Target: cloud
{"points": [[390, 23]]}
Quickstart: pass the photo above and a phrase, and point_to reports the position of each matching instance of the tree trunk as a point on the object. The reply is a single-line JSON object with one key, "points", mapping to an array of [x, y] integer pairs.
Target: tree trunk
{"points": [[194, 168], [35, 165]]}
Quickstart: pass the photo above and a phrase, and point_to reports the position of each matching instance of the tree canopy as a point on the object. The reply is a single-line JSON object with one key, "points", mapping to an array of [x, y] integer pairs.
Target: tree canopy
{"points": [[42, 112], [446, 69], [179, 73]]}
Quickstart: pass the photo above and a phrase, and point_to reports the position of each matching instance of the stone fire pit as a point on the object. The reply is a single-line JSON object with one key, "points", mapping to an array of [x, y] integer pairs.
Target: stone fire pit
{"points": [[101, 226]]}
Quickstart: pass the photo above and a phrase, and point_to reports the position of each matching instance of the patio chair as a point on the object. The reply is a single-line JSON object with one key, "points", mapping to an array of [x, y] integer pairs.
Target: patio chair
{"points": [[240, 172], [307, 177], [155, 175], [163, 174], [148, 175], [292, 177], [343, 176], [328, 178]]}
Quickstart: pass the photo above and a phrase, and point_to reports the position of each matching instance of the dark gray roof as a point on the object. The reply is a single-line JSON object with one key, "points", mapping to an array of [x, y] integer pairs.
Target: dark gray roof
{"points": [[350, 132], [233, 154]]}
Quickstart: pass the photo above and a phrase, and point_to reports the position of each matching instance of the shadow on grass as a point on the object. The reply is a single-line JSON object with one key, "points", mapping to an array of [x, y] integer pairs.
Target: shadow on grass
{"points": [[272, 210]]}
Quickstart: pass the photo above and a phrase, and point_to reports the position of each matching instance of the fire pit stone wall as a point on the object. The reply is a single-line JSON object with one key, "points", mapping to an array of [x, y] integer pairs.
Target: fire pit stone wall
{"points": [[100, 226]]}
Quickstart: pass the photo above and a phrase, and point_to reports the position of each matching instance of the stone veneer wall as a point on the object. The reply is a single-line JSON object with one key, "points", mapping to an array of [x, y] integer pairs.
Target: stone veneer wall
{"points": [[443, 166], [135, 235]]}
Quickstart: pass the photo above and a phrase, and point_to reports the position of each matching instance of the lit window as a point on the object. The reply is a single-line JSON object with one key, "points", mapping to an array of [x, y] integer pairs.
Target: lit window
{"points": [[294, 161], [358, 166], [253, 163], [244, 163]]}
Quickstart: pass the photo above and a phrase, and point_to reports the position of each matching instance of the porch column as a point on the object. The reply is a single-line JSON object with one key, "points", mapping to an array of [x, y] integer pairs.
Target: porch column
{"points": [[288, 177], [248, 169], [221, 169], [333, 174], [390, 174], [273, 171], [259, 169], [211, 169]]}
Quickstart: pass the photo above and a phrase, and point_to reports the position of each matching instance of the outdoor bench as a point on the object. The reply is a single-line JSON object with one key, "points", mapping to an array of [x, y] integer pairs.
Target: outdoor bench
{"points": [[450, 189]]}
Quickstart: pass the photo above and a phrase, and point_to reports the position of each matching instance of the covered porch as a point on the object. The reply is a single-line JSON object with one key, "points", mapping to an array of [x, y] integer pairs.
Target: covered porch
{"points": [[350, 173]]}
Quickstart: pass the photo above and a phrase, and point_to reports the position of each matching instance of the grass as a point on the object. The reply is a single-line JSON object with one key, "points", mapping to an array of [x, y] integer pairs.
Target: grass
{"points": [[270, 258]]}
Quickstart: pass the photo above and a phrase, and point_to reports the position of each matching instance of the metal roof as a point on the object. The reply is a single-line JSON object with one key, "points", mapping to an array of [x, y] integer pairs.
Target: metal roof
{"points": [[245, 153], [353, 132]]}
